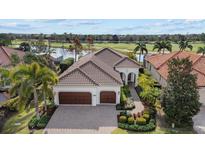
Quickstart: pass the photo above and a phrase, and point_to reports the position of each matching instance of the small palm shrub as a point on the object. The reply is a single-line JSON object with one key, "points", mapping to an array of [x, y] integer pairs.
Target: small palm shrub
{"points": [[43, 122]]}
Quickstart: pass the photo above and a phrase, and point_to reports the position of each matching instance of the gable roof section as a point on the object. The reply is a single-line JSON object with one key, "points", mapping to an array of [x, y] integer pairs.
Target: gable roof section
{"points": [[5, 55], [126, 62], [198, 64], [99, 74], [95, 69], [76, 77], [109, 56]]}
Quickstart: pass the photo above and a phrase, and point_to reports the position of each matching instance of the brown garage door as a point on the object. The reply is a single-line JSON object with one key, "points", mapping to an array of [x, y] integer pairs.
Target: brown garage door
{"points": [[107, 97], [75, 98]]}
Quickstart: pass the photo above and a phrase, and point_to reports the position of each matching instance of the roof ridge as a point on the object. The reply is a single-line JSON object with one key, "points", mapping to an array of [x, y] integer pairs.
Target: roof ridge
{"points": [[105, 72], [200, 56], [113, 51], [168, 59], [119, 61], [5, 52], [198, 71], [87, 76], [127, 59]]}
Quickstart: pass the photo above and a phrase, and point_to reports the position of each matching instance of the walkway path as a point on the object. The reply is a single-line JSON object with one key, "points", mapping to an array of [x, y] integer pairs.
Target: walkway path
{"points": [[139, 107]]}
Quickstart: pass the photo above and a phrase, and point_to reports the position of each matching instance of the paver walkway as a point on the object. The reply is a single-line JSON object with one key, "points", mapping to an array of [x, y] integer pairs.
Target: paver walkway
{"points": [[139, 107], [83, 120], [199, 121]]}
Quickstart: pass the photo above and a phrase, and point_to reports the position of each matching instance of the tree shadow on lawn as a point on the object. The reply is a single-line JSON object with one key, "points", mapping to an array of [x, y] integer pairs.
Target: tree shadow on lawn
{"points": [[18, 123]]}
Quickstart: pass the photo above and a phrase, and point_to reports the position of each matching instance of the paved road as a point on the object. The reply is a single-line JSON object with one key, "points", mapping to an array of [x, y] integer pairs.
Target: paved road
{"points": [[83, 120], [199, 121]]}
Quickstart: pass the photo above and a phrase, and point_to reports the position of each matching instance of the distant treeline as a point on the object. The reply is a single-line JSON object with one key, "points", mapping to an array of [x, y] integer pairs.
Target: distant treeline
{"points": [[105, 37]]}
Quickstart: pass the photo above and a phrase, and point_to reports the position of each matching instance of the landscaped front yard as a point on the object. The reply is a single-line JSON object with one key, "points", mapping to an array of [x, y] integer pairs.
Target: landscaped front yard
{"points": [[18, 123]]}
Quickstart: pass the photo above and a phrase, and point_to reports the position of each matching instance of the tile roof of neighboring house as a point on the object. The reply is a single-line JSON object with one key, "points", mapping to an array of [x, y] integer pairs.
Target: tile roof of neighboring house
{"points": [[97, 67], [5, 55], [160, 61]]}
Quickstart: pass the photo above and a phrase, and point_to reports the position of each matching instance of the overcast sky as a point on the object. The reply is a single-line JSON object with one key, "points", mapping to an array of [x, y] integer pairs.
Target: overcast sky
{"points": [[88, 26]]}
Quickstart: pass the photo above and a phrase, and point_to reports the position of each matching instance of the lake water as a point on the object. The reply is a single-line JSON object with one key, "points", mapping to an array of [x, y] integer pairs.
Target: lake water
{"points": [[60, 54]]}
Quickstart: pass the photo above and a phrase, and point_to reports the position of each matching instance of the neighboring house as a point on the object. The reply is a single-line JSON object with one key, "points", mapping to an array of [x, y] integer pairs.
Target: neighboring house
{"points": [[3, 97], [5, 55], [96, 79], [157, 66]]}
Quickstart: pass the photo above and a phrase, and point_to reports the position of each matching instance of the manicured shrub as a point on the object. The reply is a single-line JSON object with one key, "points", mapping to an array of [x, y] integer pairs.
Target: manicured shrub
{"points": [[146, 116], [139, 128], [123, 97], [130, 120], [42, 122], [126, 90], [33, 123], [123, 119], [141, 121]]}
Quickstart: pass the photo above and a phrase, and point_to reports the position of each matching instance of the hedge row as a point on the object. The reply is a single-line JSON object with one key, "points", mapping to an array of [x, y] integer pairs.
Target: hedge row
{"points": [[140, 128]]}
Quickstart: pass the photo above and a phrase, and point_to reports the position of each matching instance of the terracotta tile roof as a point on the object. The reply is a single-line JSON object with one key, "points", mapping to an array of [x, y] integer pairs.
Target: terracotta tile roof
{"points": [[99, 67], [5, 55], [160, 62]]}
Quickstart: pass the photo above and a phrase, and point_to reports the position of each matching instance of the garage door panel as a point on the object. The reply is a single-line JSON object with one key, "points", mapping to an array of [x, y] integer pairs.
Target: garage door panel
{"points": [[75, 98], [107, 97]]}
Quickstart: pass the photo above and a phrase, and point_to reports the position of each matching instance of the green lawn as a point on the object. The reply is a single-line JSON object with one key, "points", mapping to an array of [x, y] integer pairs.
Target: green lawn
{"points": [[122, 47], [22, 118]]}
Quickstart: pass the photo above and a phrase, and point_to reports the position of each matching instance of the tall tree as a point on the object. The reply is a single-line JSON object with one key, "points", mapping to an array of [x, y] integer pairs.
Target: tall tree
{"points": [[90, 43], [4, 77], [162, 46], [15, 59], [201, 50], [183, 44], [180, 99], [141, 48], [26, 83], [25, 46], [49, 79], [76, 46]]}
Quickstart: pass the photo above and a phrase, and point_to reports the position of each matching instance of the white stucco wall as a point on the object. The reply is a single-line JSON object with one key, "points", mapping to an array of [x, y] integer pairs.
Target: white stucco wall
{"points": [[202, 95], [95, 92], [127, 71]]}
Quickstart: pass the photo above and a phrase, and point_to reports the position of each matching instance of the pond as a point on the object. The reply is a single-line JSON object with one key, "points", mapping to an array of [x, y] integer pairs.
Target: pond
{"points": [[60, 54]]}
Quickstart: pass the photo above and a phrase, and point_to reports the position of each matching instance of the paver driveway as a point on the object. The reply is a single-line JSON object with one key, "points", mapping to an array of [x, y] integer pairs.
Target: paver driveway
{"points": [[199, 121], [83, 120]]}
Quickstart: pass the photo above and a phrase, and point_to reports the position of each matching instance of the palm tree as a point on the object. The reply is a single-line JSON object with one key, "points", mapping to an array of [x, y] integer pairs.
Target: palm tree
{"points": [[162, 45], [183, 44], [49, 79], [201, 50], [77, 46], [4, 77], [27, 82], [141, 47]]}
